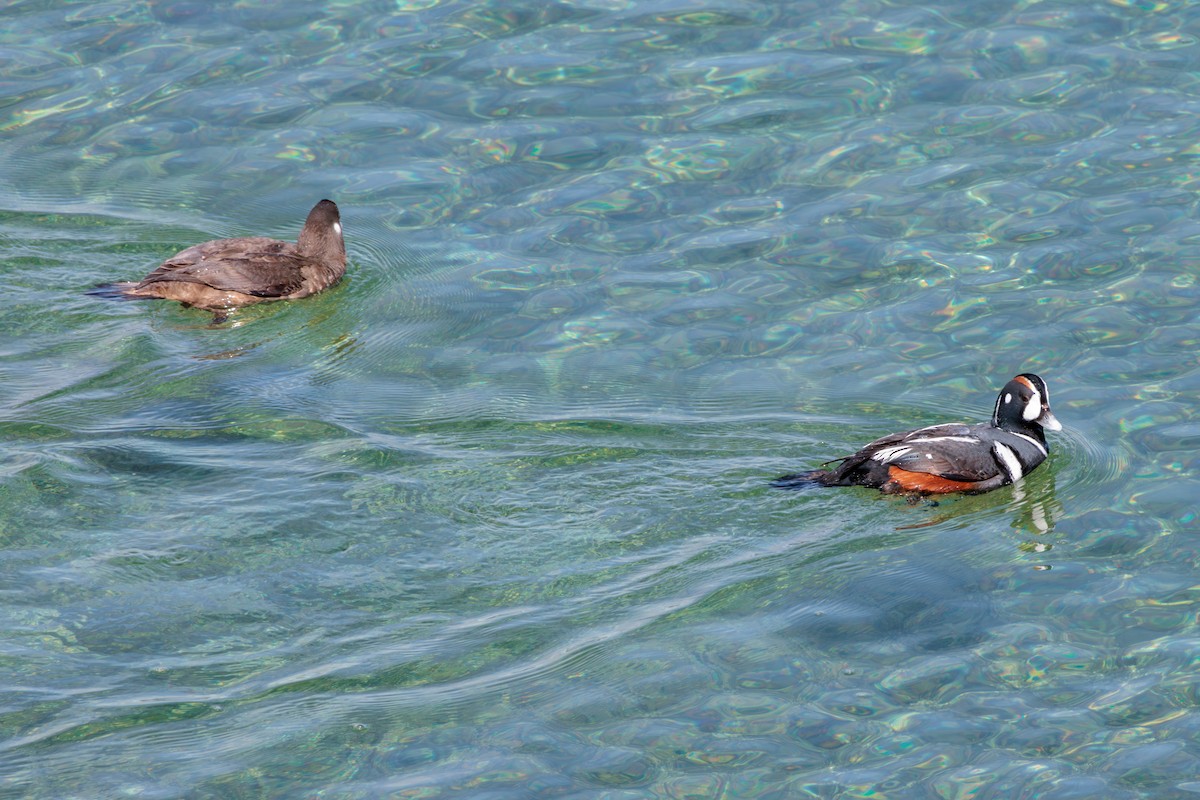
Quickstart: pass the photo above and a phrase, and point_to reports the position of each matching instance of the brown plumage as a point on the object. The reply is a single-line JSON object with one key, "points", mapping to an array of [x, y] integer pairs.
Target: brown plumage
{"points": [[229, 273]]}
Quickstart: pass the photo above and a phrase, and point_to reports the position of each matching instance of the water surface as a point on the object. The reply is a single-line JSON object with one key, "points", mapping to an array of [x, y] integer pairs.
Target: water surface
{"points": [[491, 518]]}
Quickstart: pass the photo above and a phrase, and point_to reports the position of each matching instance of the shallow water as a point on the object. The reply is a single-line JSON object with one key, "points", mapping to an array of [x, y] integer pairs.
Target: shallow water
{"points": [[491, 518]]}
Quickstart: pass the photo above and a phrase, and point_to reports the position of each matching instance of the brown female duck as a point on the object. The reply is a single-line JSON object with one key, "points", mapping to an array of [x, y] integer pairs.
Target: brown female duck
{"points": [[230, 273]]}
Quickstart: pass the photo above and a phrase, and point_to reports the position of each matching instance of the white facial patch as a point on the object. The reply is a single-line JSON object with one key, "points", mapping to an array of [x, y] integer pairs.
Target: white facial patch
{"points": [[890, 454], [1008, 460], [337, 228], [1033, 407]]}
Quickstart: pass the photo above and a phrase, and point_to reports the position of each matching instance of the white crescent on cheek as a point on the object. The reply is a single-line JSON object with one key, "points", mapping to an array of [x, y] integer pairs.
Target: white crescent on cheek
{"points": [[1033, 407]]}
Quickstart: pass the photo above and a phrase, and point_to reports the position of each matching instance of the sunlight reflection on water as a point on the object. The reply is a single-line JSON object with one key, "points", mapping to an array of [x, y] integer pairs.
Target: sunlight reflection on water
{"points": [[491, 517]]}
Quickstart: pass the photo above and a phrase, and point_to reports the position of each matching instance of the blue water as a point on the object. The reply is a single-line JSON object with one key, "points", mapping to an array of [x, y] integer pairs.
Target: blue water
{"points": [[491, 518]]}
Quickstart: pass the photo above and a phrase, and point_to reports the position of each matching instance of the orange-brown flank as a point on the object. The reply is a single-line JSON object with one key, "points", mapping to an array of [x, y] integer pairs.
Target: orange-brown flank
{"points": [[924, 482]]}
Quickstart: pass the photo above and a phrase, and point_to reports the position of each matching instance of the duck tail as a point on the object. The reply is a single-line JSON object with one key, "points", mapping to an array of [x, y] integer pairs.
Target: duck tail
{"points": [[114, 291], [802, 480]]}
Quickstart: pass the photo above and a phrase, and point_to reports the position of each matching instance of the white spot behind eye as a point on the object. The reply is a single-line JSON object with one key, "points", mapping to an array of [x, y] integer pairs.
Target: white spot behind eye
{"points": [[1007, 398], [337, 228]]}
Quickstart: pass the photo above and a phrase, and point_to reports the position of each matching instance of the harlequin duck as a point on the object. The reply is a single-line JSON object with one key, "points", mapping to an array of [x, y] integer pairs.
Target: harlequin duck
{"points": [[951, 457], [230, 273]]}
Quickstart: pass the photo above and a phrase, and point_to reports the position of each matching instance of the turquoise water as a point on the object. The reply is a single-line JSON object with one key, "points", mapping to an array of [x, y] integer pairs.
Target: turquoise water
{"points": [[491, 518]]}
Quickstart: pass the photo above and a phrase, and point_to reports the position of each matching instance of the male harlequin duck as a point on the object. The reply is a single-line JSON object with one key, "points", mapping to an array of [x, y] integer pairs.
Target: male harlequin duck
{"points": [[230, 273], [951, 457]]}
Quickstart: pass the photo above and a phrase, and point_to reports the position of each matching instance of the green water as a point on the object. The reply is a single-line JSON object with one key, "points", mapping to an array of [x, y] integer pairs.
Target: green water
{"points": [[491, 518]]}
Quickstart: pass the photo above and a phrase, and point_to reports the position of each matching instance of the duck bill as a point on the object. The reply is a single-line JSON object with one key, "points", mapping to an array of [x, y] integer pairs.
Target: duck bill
{"points": [[1049, 421]]}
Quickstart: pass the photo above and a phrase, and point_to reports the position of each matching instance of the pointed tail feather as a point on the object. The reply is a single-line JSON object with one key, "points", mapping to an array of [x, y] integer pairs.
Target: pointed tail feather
{"points": [[114, 291], [801, 480]]}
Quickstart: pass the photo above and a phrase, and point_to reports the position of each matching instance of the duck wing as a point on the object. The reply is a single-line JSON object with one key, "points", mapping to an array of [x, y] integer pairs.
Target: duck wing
{"points": [[255, 266], [935, 449], [955, 452]]}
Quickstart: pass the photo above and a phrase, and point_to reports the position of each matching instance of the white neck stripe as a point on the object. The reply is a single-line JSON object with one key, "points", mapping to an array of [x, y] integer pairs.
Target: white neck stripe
{"points": [[1032, 441]]}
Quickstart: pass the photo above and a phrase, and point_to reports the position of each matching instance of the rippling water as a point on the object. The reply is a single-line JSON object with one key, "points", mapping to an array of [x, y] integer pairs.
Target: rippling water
{"points": [[491, 518]]}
